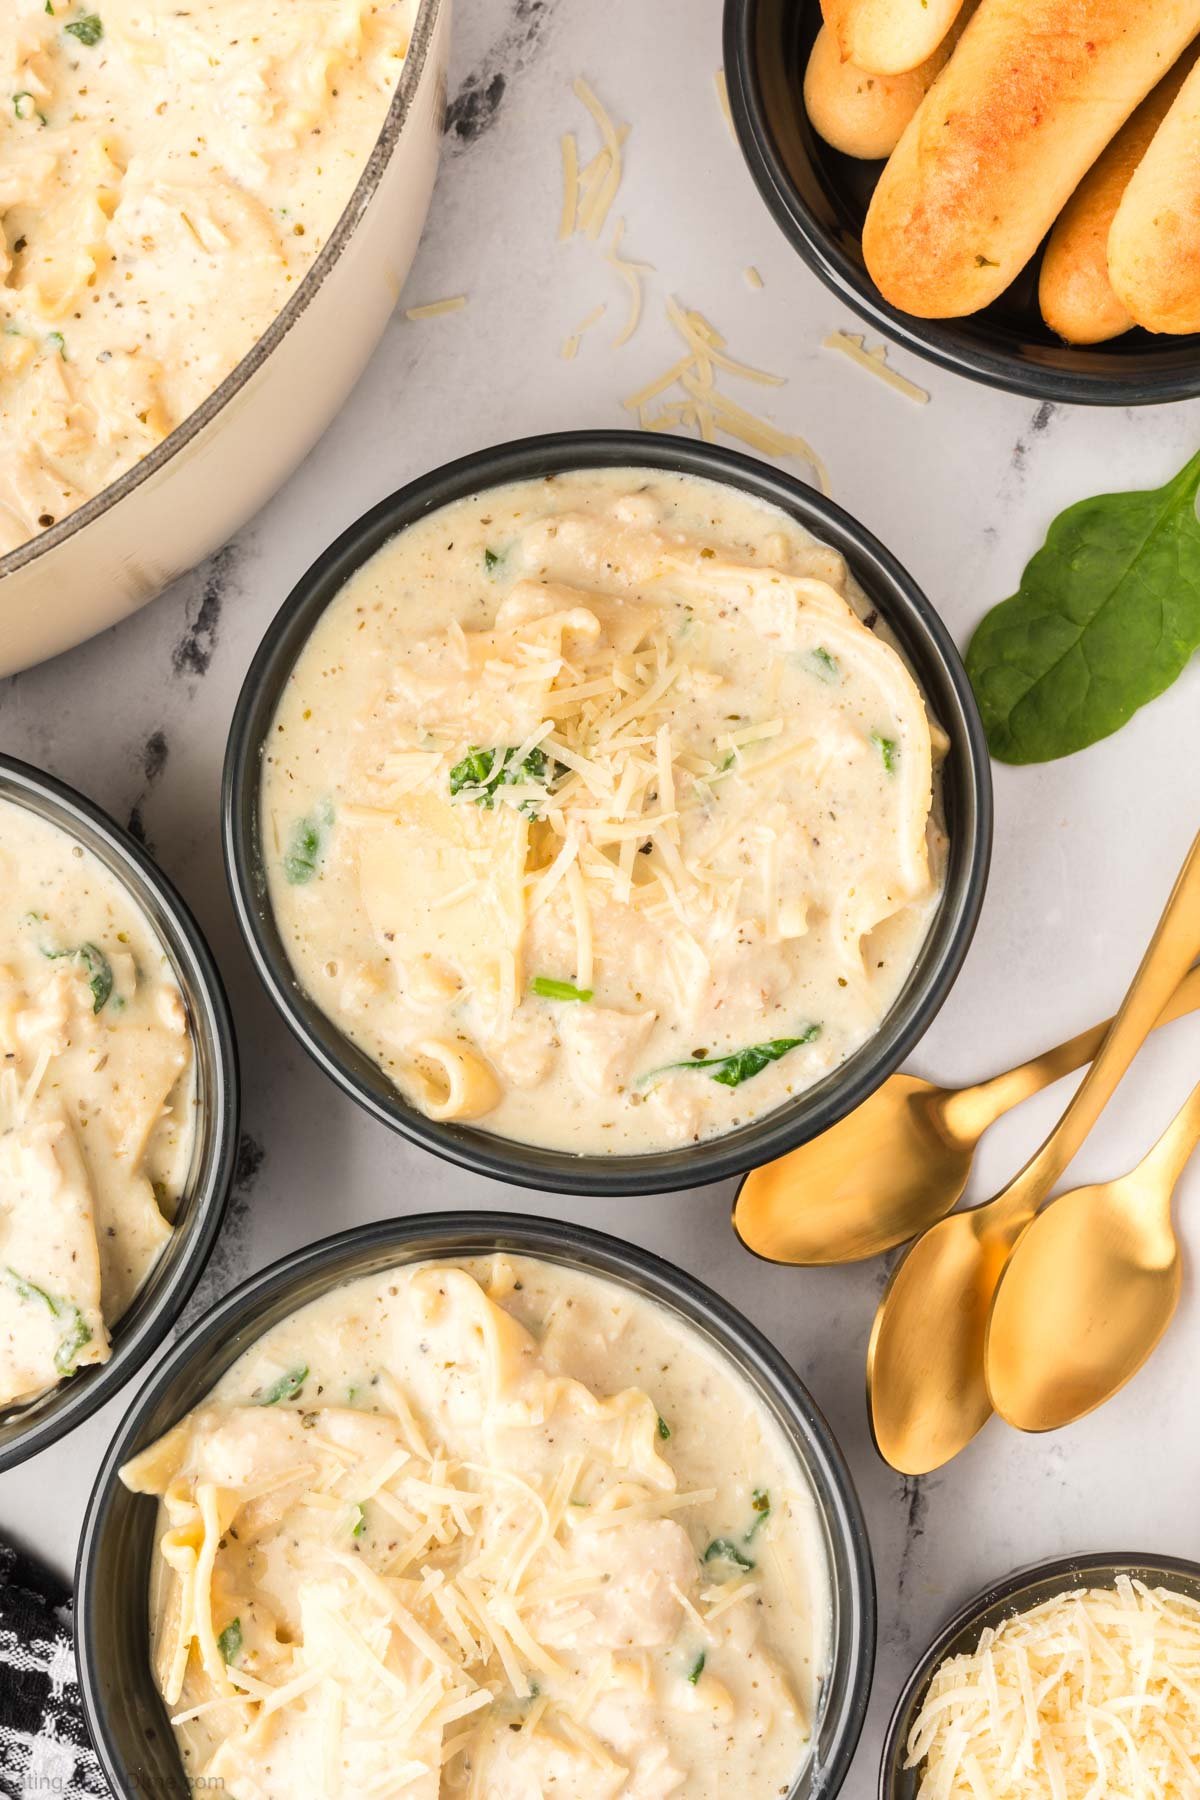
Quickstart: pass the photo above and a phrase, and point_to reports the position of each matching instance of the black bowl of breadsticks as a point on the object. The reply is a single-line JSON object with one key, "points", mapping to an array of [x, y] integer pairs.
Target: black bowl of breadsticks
{"points": [[994, 184]]}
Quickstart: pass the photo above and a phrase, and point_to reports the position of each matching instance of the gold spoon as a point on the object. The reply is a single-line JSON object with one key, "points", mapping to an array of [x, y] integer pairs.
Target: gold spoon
{"points": [[899, 1162], [1089, 1290], [926, 1392]]}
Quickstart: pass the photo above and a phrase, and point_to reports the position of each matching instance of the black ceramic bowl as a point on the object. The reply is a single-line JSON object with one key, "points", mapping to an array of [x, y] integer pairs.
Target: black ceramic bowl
{"points": [[1027, 1588], [31, 1427], [967, 789], [819, 198], [126, 1717]]}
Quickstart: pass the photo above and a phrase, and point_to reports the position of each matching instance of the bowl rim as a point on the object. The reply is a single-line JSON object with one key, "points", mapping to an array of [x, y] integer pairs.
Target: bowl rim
{"points": [[902, 604], [1146, 385], [77, 1398], [281, 324], [1062, 1572], [460, 1232]]}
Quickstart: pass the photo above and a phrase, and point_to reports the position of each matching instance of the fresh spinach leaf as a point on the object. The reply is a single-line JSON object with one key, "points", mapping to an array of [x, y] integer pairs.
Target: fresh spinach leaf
{"points": [[697, 1669], [286, 1388], [28, 1290], [492, 560], [725, 1550], [230, 1641], [1106, 617], [77, 1335], [89, 29], [548, 989], [888, 749], [76, 1332], [664, 1430], [481, 772], [760, 1506], [824, 666], [739, 1065], [99, 970], [100, 975], [306, 846]]}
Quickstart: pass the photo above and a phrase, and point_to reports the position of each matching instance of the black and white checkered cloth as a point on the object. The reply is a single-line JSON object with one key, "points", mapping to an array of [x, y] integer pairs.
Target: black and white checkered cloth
{"points": [[44, 1749]]}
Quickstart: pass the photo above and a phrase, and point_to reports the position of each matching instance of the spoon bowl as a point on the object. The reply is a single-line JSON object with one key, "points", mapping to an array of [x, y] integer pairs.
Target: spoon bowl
{"points": [[1090, 1289], [899, 1162], [872, 1181], [947, 1280], [1085, 1300]]}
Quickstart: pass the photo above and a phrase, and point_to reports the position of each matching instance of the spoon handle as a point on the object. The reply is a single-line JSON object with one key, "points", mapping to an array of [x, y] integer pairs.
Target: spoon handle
{"points": [[1163, 1166], [1166, 962], [969, 1111]]}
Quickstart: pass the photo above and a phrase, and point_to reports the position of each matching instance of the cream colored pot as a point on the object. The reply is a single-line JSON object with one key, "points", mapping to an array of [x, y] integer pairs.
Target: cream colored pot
{"points": [[207, 478]]}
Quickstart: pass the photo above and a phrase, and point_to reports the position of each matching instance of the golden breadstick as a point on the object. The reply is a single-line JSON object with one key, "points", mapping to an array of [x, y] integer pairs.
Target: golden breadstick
{"points": [[889, 37], [862, 114], [1076, 296], [1154, 244], [1031, 96]]}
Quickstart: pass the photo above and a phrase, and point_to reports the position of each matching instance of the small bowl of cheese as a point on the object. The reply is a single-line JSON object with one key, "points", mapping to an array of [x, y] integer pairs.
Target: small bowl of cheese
{"points": [[1078, 1676], [118, 1108]]}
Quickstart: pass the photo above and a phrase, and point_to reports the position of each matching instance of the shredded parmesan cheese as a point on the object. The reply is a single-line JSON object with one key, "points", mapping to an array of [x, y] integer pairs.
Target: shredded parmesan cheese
{"points": [[570, 350], [722, 87], [433, 308], [707, 409], [630, 273], [851, 344], [1095, 1692]]}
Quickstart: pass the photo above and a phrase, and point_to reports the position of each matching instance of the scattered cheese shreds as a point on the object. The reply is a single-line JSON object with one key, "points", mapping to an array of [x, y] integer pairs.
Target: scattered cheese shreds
{"points": [[753, 278], [708, 410], [850, 343], [433, 308], [570, 200], [1094, 1692], [722, 87], [596, 188], [630, 273], [570, 350]]}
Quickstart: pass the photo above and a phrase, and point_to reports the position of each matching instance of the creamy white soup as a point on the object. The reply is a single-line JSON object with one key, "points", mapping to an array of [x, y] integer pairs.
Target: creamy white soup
{"points": [[500, 1529], [168, 172], [97, 1116], [595, 811]]}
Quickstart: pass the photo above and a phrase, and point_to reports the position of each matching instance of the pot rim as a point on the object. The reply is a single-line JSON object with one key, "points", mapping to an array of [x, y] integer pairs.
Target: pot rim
{"points": [[288, 316]]}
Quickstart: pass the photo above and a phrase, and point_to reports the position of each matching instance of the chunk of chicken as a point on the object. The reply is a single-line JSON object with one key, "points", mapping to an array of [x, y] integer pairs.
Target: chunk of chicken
{"points": [[640, 1569]]}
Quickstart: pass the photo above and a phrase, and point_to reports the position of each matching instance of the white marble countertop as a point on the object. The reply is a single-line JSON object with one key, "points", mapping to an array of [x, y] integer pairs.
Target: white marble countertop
{"points": [[962, 491]]}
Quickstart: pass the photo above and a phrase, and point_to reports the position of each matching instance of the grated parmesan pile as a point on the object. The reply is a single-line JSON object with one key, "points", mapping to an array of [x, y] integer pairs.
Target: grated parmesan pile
{"points": [[1094, 1695]]}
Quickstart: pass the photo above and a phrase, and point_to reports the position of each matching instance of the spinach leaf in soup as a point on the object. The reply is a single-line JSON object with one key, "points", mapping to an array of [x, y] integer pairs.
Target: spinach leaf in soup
{"points": [[98, 969], [75, 1332], [77, 1335], [481, 773], [286, 1387], [547, 988], [307, 845], [740, 1065], [889, 751], [1106, 617], [89, 29], [725, 1550]]}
